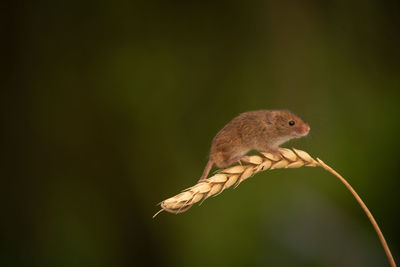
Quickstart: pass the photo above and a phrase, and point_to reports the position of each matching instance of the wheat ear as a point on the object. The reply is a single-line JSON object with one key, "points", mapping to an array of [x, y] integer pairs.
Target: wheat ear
{"points": [[225, 178]]}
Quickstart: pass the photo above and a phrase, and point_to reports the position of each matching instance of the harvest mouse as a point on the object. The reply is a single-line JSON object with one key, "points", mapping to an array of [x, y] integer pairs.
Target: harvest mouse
{"points": [[261, 130]]}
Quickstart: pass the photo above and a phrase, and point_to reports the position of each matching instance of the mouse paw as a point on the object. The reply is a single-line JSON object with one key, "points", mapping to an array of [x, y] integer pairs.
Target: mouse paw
{"points": [[237, 160], [274, 152]]}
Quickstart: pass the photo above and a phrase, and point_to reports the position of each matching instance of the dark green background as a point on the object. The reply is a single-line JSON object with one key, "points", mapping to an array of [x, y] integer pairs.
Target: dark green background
{"points": [[109, 107]]}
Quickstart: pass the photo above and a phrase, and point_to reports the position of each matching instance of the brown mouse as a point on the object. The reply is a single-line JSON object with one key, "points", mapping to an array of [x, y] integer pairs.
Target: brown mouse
{"points": [[260, 130]]}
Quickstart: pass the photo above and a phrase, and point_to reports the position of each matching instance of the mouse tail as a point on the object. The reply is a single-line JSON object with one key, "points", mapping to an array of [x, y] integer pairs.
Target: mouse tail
{"points": [[204, 176], [206, 171]]}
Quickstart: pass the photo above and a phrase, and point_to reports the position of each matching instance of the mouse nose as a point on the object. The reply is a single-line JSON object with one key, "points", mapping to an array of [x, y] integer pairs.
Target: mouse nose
{"points": [[304, 130]]}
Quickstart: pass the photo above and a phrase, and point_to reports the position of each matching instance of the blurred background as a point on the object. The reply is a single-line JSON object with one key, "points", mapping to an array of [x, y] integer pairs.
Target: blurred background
{"points": [[109, 107]]}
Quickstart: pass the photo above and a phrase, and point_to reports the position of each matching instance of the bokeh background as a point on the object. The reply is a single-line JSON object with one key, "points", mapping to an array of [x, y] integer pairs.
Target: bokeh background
{"points": [[109, 107]]}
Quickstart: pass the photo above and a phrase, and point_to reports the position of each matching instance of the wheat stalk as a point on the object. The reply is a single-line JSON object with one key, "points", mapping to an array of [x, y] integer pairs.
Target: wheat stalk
{"points": [[234, 175]]}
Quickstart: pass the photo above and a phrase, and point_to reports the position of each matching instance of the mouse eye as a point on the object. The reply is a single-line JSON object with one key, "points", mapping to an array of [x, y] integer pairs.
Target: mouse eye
{"points": [[291, 123]]}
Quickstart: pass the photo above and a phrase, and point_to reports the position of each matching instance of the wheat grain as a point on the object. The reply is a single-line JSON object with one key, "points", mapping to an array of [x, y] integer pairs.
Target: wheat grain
{"points": [[225, 178], [235, 175]]}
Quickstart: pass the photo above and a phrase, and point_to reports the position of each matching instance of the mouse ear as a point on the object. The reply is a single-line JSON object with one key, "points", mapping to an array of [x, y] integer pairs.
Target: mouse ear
{"points": [[270, 117]]}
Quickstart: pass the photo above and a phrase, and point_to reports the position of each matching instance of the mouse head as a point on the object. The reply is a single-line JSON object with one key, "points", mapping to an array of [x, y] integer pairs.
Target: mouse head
{"points": [[288, 125]]}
